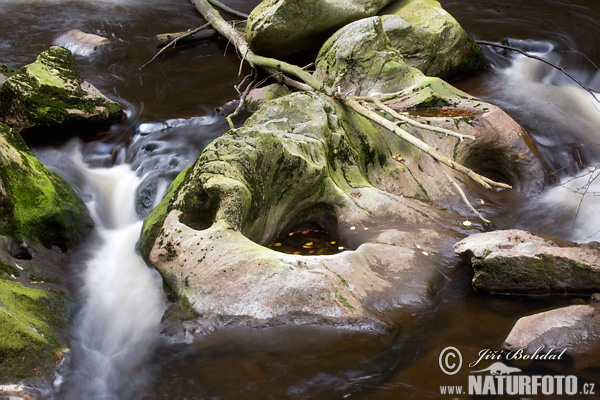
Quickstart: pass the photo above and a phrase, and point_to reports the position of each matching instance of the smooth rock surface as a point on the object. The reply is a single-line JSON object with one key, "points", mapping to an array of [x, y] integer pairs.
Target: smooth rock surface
{"points": [[515, 261], [575, 329]]}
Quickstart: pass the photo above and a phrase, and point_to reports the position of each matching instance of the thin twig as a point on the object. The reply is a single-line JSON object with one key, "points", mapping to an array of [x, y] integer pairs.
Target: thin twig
{"points": [[172, 43], [462, 194], [526, 54], [243, 95]]}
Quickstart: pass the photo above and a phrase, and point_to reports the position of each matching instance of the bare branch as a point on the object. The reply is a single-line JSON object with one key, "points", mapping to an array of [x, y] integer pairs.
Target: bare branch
{"points": [[228, 9], [242, 96], [412, 122], [172, 43]]}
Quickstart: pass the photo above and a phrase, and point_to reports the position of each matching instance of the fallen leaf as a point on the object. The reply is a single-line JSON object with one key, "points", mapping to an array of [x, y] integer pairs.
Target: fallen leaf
{"points": [[356, 194], [306, 232], [399, 158], [276, 244]]}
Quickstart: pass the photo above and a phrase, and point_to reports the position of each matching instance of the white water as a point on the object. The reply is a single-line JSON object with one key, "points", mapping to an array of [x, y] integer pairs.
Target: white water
{"points": [[568, 121], [124, 301]]}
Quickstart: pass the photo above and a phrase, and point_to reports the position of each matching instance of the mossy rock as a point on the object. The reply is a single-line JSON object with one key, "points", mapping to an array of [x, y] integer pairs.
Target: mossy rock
{"points": [[520, 262], [30, 320], [430, 39], [280, 28], [358, 60], [35, 203], [49, 92]]}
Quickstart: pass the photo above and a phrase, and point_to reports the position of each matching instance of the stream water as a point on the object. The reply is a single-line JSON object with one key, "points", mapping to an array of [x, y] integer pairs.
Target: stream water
{"points": [[117, 349]]}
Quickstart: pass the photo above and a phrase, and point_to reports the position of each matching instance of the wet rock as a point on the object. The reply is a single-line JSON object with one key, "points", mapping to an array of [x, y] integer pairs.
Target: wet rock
{"points": [[49, 93], [81, 43], [36, 204], [515, 261], [280, 28], [304, 158], [575, 329], [30, 323], [430, 39]]}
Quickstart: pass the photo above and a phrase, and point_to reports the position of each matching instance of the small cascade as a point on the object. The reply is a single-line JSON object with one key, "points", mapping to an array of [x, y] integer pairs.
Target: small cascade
{"points": [[123, 298]]}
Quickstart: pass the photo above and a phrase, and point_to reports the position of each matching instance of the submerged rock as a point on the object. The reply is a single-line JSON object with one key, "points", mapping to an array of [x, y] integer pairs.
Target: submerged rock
{"points": [[81, 43], [49, 93], [280, 28], [574, 329], [515, 261]]}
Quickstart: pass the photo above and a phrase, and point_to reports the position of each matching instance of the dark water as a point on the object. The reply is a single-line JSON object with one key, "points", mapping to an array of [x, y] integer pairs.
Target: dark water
{"points": [[185, 86]]}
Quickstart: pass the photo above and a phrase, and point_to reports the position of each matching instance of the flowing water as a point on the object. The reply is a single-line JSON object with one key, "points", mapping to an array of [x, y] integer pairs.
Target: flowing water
{"points": [[117, 349]]}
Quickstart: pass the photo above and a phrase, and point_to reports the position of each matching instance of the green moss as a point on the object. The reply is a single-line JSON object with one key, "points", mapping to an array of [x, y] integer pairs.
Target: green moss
{"points": [[583, 266], [9, 269], [536, 276], [343, 301], [28, 321], [154, 221], [41, 206]]}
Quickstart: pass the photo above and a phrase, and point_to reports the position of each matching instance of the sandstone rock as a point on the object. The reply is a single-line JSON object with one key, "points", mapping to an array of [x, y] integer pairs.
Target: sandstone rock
{"points": [[430, 39], [515, 261], [49, 92], [302, 158], [81, 43], [280, 28], [575, 329]]}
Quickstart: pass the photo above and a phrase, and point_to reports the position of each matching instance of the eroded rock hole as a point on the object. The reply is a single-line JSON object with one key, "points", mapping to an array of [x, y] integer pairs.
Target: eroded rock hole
{"points": [[310, 237]]}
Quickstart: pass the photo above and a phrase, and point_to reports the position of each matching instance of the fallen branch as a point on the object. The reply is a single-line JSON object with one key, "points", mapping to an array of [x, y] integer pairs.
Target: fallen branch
{"points": [[172, 44], [181, 38], [239, 41], [419, 144], [228, 9], [412, 122], [594, 93]]}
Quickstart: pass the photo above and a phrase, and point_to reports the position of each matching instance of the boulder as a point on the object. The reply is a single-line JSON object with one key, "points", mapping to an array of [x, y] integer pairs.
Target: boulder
{"points": [[358, 59], [574, 329], [520, 262], [50, 93], [430, 39], [36, 204], [280, 28], [302, 160]]}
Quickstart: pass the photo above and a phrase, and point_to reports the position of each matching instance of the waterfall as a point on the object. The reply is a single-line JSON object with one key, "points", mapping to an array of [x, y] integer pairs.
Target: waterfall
{"points": [[123, 299]]}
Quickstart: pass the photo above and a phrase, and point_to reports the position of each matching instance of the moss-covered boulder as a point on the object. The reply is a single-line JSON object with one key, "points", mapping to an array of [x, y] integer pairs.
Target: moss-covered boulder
{"points": [[430, 39], [358, 59], [280, 28], [49, 92], [519, 262], [36, 204], [303, 160], [32, 326]]}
